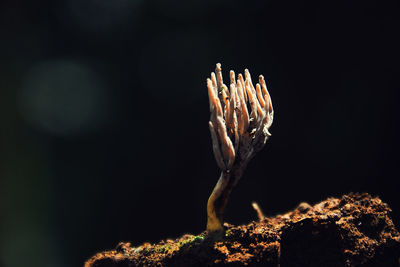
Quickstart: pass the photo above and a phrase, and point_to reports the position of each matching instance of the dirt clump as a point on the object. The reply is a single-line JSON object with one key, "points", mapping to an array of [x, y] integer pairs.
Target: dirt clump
{"points": [[354, 230]]}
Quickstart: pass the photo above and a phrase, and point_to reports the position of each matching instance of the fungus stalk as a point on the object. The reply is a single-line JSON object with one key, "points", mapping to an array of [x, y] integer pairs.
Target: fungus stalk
{"points": [[236, 134]]}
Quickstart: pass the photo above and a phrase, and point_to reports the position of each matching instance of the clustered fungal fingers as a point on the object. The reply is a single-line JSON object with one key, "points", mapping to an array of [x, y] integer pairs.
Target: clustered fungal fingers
{"points": [[214, 82], [216, 149], [224, 100], [268, 103], [236, 133], [242, 112], [226, 144], [218, 71], [237, 130], [222, 145], [211, 94], [256, 105], [259, 95], [241, 81], [234, 125]]}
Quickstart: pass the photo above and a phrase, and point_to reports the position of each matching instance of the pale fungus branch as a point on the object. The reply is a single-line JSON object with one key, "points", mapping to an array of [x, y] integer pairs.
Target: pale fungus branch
{"points": [[236, 135], [257, 208]]}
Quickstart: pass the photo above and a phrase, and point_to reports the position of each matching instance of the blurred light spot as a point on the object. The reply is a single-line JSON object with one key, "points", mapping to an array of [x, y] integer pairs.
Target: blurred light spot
{"points": [[63, 97], [100, 15]]}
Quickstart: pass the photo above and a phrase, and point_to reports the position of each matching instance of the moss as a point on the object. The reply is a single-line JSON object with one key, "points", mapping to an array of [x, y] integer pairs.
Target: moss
{"points": [[198, 238], [173, 246], [228, 232], [190, 240]]}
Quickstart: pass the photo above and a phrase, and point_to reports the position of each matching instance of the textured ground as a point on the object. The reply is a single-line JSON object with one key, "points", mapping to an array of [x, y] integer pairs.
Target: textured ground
{"points": [[354, 230]]}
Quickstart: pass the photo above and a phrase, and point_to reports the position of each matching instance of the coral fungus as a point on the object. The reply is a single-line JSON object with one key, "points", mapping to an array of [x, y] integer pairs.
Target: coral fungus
{"points": [[236, 135]]}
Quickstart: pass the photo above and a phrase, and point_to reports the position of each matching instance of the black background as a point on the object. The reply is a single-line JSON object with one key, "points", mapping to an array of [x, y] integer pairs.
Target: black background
{"points": [[104, 113]]}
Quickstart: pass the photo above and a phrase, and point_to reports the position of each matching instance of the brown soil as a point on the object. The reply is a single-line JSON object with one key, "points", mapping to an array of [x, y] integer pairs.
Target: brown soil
{"points": [[354, 230]]}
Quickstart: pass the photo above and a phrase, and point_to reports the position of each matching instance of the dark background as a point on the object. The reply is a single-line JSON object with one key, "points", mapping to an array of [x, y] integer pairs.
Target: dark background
{"points": [[104, 113]]}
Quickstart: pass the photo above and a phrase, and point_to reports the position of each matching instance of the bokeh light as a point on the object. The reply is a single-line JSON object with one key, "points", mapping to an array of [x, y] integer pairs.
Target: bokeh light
{"points": [[63, 98]]}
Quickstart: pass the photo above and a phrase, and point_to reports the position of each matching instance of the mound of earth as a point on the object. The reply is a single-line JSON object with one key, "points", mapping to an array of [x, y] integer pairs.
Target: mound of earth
{"points": [[354, 230]]}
